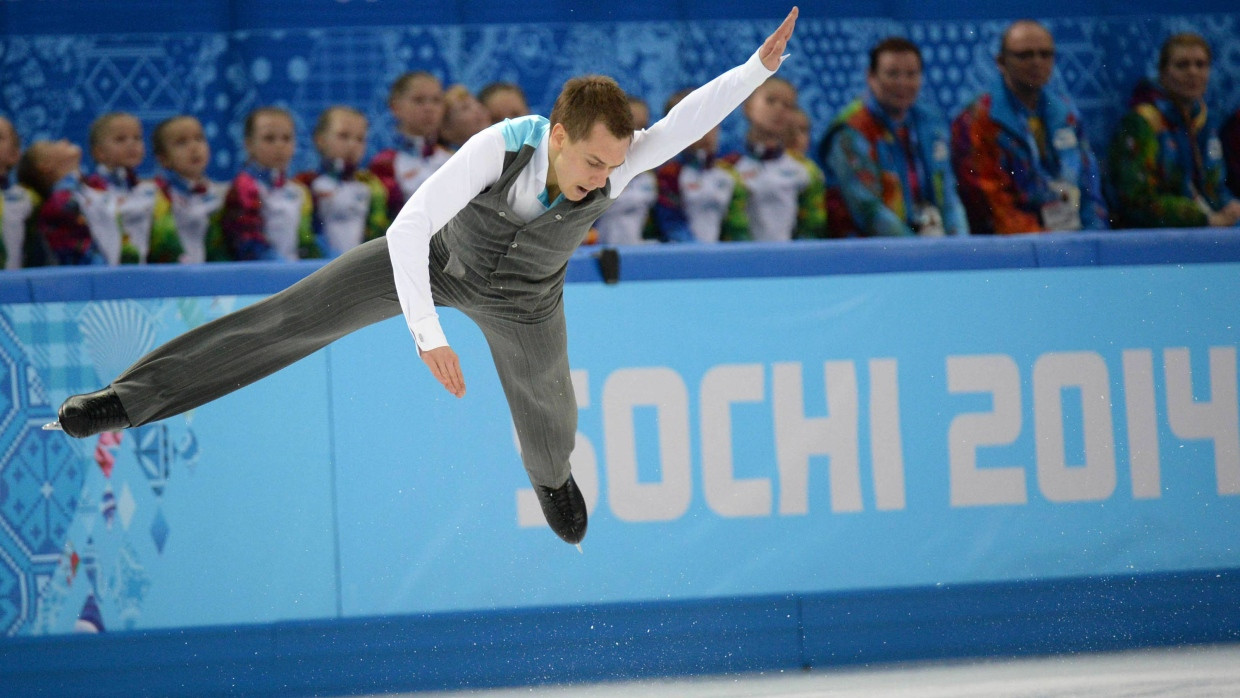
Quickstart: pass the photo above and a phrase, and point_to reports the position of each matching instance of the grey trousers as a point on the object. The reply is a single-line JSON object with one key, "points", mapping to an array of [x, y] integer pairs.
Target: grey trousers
{"points": [[357, 289]]}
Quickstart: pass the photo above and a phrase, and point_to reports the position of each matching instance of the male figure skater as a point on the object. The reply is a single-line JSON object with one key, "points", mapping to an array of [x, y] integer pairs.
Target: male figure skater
{"points": [[490, 233]]}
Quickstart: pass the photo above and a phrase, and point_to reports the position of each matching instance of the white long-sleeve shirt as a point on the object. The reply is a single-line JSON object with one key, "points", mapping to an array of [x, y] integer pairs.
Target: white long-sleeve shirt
{"points": [[479, 163]]}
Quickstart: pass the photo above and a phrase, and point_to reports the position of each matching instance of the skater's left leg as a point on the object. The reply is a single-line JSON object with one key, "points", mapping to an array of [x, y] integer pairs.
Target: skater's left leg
{"points": [[532, 361]]}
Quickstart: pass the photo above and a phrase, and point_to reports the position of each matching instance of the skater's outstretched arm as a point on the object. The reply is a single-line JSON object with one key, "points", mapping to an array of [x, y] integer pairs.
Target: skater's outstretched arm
{"points": [[702, 109]]}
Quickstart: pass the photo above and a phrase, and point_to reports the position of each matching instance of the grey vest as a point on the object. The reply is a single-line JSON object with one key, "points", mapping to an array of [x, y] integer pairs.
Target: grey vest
{"points": [[523, 260]]}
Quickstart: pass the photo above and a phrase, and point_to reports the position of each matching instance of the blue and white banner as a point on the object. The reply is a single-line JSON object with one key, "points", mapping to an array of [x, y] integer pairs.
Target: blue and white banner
{"points": [[736, 437]]}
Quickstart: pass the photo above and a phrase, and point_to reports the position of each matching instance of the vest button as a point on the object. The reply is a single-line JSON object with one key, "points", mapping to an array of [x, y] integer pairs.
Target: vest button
{"points": [[558, 216], [514, 245], [502, 214]]}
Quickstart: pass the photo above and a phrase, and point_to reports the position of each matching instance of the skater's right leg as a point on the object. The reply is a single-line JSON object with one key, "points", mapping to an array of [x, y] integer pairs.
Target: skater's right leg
{"points": [[353, 291]]}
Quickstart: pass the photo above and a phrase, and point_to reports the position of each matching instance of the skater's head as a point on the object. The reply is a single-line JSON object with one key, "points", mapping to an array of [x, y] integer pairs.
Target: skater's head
{"points": [[116, 140], [416, 102], [269, 138], [769, 109], [591, 128], [1184, 67], [894, 77], [708, 143], [1026, 57], [45, 163], [504, 100], [180, 146], [463, 117], [340, 135], [10, 147]]}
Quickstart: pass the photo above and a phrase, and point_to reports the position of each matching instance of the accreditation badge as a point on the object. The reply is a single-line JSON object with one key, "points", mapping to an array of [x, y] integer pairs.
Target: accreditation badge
{"points": [[929, 221], [1064, 213]]}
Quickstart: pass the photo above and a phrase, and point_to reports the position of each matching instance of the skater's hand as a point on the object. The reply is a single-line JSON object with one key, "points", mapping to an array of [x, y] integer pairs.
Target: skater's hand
{"points": [[775, 44], [446, 369]]}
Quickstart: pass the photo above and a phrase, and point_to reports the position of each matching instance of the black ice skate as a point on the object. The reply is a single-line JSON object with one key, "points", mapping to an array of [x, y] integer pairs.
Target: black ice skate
{"points": [[565, 510], [92, 413]]}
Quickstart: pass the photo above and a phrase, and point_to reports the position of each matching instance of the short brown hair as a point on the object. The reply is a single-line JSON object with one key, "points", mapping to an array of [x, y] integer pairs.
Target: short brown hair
{"points": [[6, 123], [676, 98], [159, 135], [100, 124], [893, 44], [30, 174], [252, 118], [325, 117], [404, 83], [495, 88], [1182, 40], [592, 99]]}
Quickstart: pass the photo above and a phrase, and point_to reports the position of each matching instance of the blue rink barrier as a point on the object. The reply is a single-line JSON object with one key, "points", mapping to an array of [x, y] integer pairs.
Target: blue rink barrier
{"points": [[464, 650], [228, 551]]}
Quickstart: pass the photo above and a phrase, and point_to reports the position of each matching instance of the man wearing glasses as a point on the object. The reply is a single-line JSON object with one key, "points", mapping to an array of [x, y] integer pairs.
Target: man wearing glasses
{"points": [[1019, 150]]}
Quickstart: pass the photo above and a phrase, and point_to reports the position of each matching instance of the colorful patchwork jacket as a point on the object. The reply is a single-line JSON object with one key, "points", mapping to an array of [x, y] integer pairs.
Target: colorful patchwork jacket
{"points": [[265, 216], [403, 169], [1229, 134], [196, 210], [20, 244], [1159, 163], [868, 169], [701, 199], [1003, 181], [785, 194], [61, 222], [134, 211], [350, 206]]}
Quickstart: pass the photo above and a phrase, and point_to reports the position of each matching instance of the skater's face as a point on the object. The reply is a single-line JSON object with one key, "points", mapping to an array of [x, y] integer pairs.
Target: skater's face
{"points": [[418, 109], [183, 148], [271, 143], [10, 148], [896, 81], [344, 138], [506, 104], [579, 167], [1186, 73], [120, 144]]}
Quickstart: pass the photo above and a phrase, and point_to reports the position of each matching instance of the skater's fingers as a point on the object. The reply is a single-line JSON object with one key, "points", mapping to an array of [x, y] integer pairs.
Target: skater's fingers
{"points": [[455, 380], [775, 44], [446, 368]]}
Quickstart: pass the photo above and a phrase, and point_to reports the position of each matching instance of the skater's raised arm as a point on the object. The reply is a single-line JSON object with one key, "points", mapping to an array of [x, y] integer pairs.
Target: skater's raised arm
{"points": [[702, 109]]}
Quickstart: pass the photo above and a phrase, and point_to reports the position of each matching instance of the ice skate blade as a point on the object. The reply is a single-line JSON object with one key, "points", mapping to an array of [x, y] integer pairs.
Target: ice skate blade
{"points": [[52, 426], [578, 544]]}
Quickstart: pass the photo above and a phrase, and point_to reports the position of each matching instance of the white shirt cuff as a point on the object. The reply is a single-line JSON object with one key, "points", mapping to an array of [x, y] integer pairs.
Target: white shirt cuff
{"points": [[428, 334]]}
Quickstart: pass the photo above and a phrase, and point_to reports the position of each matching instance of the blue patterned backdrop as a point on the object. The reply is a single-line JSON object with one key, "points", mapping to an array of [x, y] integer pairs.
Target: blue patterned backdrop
{"points": [[337, 51], [82, 522]]}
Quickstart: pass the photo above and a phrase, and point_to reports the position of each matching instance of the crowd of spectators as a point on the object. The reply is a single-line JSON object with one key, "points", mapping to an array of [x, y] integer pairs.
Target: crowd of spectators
{"points": [[1014, 160]]}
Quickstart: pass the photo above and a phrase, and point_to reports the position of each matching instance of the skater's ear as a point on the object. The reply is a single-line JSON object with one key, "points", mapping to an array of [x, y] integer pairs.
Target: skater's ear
{"points": [[559, 136]]}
